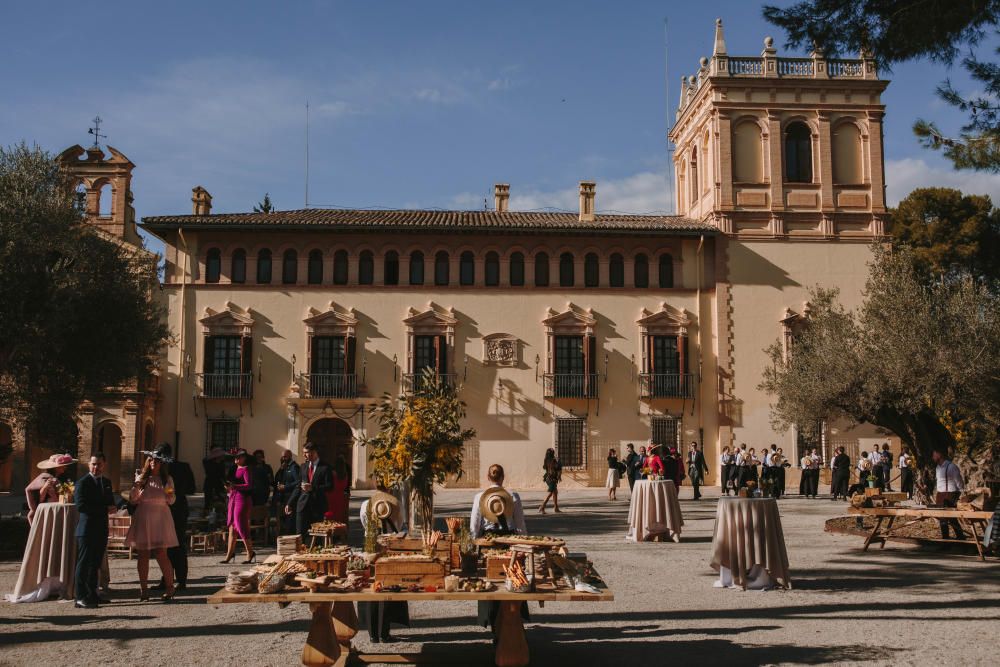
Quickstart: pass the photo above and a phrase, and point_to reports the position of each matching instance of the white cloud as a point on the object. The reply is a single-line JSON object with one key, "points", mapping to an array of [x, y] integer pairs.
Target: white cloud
{"points": [[905, 175], [498, 84]]}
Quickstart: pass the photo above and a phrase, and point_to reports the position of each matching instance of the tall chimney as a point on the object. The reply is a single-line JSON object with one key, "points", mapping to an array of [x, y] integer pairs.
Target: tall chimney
{"points": [[587, 190], [501, 197], [201, 201]]}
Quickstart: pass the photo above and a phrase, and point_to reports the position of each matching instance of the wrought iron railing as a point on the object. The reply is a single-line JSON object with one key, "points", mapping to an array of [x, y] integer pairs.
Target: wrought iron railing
{"points": [[415, 381], [571, 385], [226, 385], [331, 385], [666, 385]]}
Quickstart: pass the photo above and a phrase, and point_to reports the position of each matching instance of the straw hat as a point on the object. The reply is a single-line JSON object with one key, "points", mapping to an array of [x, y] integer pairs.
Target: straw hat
{"points": [[158, 455], [495, 502], [55, 461], [383, 504]]}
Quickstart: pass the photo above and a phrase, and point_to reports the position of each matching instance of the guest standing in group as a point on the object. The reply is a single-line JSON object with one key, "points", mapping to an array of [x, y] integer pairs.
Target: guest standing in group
{"points": [[308, 500], [878, 468], [643, 463], [43, 489], [238, 508], [633, 463], [887, 466], [697, 469], [263, 479], [752, 463], [339, 495], [152, 530], [93, 498], [614, 475], [906, 473], [183, 478], [215, 476], [286, 479], [725, 469], [948, 486], [552, 475], [653, 461], [778, 465], [841, 476]]}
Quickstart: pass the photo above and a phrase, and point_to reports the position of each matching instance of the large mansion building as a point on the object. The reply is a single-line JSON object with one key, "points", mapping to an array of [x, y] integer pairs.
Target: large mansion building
{"points": [[577, 331]]}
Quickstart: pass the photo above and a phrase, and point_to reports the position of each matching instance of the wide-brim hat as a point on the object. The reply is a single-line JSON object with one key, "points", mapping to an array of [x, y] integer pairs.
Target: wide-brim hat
{"points": [[495, 502], [383, 504], [56, 461], [217, 453], [156, 454]]}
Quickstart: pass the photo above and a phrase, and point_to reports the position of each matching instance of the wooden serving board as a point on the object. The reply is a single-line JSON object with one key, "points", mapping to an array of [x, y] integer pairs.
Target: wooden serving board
{"points": [[550, 543]]}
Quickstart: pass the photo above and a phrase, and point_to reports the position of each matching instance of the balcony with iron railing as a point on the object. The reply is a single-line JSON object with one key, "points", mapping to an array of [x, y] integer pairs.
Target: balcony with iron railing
{"points": [[413, 382], [666, 385], [570, 385], [331, 385], [225, 385]]}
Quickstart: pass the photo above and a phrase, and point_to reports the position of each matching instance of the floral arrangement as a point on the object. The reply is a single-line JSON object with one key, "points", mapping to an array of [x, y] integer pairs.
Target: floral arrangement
{"points": [[65, 491], [420, 442]]}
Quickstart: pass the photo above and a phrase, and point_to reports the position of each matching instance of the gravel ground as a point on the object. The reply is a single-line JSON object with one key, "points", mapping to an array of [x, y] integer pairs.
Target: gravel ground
{"points": [[900, 605]]}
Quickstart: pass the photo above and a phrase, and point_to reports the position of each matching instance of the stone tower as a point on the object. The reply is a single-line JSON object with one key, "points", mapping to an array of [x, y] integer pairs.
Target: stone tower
{"points": [[98, 176]]}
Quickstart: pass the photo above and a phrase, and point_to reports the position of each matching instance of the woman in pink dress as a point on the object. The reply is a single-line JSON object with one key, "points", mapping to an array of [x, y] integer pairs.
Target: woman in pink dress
{"points": [[152, 529], [339, 495], [238, 510]]}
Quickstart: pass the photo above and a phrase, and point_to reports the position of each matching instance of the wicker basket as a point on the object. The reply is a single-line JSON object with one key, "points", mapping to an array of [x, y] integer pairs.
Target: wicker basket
{"points": [[272, 585], [241, 582], [511, 588]]}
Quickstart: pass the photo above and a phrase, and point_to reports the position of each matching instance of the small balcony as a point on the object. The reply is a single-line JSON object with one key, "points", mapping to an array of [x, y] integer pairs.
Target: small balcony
{"points": [[226, 385], [570, 385], [666, 385], [413, 382], [331, 385]]}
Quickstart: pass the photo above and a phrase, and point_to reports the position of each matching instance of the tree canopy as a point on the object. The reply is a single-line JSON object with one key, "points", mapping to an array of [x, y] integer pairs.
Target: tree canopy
{"points": [[264, 206], [896, 31], [77, 308], [919, 359]]}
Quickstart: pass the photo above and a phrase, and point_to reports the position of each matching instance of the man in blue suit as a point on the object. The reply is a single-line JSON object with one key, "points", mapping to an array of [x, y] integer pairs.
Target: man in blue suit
{"points": [[93, 498]]}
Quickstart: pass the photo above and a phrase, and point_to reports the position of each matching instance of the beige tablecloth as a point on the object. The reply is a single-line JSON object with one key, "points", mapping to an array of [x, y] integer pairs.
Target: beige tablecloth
{"points": [[747, 533], [51, 549], [653, 511]]}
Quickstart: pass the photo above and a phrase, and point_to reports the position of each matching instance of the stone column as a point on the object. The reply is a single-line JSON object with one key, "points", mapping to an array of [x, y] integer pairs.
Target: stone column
{"points": [[130, 449], [774, 158], [825, 162], [725, 140], [876, 165]]}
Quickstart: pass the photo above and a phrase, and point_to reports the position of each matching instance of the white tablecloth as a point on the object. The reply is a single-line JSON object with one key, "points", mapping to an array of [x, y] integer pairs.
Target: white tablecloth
{"points": [[747, 534], [50, 551], [654, 511]]}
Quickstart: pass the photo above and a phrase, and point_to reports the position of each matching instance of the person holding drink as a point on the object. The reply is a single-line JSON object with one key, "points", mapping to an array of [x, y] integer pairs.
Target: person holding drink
{"points": [[308, 500], [152, 530]]}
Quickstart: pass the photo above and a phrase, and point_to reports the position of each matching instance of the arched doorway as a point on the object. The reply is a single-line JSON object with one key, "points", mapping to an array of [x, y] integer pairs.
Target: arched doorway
{"points": [[333, 437], [109, 441]]}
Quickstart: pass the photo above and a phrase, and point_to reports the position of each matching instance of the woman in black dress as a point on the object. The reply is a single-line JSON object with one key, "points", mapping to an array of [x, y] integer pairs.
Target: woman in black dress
{"points": [[552, 476]]}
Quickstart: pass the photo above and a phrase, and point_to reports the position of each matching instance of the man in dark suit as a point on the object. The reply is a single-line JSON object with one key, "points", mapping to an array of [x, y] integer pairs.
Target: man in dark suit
{"points": [[697, 468], [286, 479], [184, 486], [93, 498], [308, 499]]}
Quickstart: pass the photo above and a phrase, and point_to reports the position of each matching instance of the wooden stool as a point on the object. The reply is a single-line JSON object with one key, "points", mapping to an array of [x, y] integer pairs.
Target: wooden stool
{"points": [[202, 543], [325, 535]]}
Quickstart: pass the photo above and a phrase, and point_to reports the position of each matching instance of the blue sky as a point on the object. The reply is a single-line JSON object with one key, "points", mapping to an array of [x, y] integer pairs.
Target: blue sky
{"points": [[413, 104]]}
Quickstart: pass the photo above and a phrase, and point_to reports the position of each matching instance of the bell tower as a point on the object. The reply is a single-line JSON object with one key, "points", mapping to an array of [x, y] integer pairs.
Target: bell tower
{"points": [[101, 177], [775, 147]]}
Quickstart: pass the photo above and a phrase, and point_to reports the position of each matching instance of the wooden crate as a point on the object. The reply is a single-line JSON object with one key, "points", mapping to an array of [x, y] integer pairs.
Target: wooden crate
{"points": [[334, 565], [404, 573], [495, 566], [411, 545]]}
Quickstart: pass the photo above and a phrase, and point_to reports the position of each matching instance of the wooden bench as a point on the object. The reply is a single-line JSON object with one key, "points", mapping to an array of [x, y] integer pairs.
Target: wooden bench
{"points": [[973, 523]]}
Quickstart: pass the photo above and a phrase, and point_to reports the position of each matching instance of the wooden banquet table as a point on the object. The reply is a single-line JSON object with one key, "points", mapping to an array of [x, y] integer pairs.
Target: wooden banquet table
{"points": [[747, 533], [973, 523], [335, 622], [50, 550], [654, 512]]}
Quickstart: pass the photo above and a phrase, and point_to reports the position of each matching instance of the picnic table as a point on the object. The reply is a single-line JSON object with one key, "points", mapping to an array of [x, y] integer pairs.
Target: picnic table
{"points": [[335, 622], [973, 523]]}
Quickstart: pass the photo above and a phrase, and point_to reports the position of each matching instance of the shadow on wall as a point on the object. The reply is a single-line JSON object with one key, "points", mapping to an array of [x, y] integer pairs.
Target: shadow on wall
{"points": [[746, 267]]}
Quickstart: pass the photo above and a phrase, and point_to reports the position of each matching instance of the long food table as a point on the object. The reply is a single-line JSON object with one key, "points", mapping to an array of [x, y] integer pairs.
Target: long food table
{"points": [[335, 622], [972, 522]]}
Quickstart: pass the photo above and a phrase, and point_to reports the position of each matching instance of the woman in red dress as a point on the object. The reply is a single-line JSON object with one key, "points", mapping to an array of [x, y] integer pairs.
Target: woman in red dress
{"points": [[339, 496]]}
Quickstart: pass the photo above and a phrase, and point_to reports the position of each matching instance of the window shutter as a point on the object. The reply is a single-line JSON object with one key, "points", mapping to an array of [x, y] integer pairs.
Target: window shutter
{"points": [[682, 344], [209, 361], [349, 350], [313, 354], [246, 354], [650, 353], [441, 351]]}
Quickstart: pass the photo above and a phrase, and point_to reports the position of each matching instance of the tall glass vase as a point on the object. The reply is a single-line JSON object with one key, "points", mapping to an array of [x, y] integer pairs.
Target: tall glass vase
{"points": [[422, 505]]}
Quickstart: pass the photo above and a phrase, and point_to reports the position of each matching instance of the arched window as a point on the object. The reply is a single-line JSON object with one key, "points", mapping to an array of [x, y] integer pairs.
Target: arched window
{"points": [[264, 267], [467, 268], [666, 270], [315, 269], [798, 153], [340, 262], [748, 161], [517, 270], [591, 270], [366, 268], [542, 270], [567, 277], [641, 271], [847, 154], [290, 267], [106, 200], [213, 265], [416, 268], [616, 270], [492, 275], [441, 268], [390, 268], [238, 266]]}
